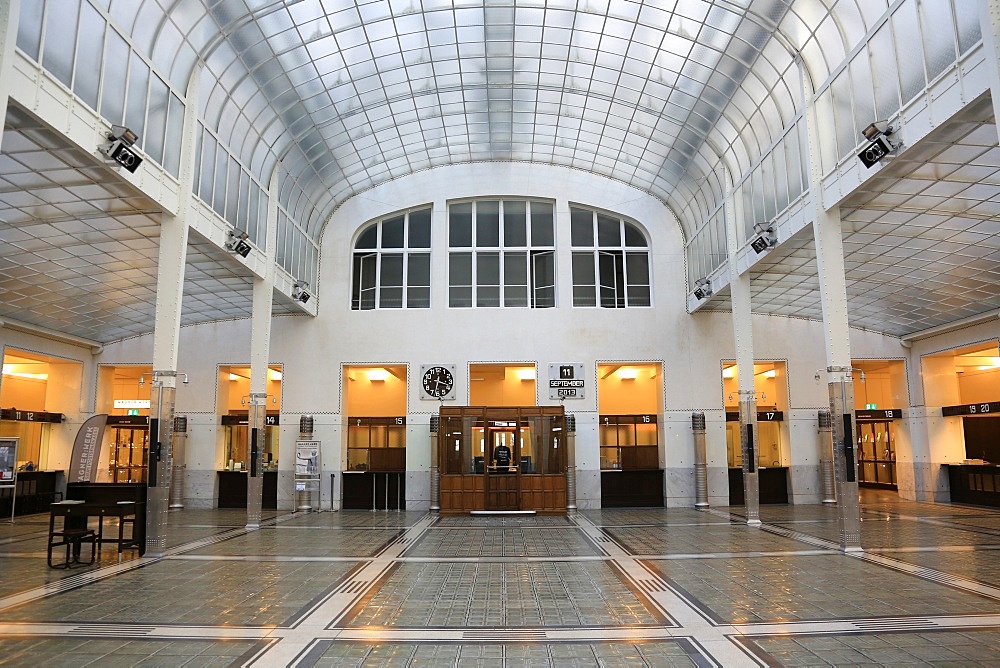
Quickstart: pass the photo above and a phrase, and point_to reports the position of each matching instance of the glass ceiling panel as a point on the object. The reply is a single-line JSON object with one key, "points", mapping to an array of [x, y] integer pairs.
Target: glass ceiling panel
{"points": [[626, 88]]}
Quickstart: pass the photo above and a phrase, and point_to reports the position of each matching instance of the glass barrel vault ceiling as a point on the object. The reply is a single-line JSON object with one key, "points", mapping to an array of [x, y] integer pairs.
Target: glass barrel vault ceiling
{"points": [[665, 95], [350, 94]]}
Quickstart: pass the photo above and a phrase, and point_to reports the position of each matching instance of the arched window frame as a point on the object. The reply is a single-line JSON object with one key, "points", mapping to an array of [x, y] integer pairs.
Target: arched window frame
{"points": [[611, 268], [391, 262]]}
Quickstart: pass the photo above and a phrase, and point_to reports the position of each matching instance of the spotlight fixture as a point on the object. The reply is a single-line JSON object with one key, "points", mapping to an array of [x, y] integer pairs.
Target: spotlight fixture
{"points": [[766, 238], [879, 146], [120, 147], [702, 288], [300, 291], [237, 243]]}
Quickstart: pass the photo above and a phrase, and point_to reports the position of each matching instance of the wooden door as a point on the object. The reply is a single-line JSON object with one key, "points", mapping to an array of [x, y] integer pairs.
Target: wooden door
{"points": [[503, 481]]}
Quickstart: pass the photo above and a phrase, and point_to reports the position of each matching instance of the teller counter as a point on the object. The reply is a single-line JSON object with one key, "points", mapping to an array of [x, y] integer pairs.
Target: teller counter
{"points": [[978, 484], [35, 491], [772, 481], [233, 489]]}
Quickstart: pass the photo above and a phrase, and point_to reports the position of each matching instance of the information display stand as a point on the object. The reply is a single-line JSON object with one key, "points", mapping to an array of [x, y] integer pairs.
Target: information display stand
{"points": [[307, 480], [8, 470]]}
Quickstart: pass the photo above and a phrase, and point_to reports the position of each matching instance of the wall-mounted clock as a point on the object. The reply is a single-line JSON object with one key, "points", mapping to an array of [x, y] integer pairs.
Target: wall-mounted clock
{"points": [[437, 382]]}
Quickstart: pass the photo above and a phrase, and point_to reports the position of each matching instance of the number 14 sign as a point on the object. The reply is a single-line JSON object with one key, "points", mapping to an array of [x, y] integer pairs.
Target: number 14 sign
{"points": [[566, 381]]}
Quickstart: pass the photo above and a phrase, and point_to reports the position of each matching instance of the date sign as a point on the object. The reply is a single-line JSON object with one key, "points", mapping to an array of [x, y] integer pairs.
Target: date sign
{"points": [[566, 381]]}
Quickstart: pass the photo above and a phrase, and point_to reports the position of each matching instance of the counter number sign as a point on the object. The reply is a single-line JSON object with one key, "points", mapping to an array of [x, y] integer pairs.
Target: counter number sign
{"points": [[566, 381]]}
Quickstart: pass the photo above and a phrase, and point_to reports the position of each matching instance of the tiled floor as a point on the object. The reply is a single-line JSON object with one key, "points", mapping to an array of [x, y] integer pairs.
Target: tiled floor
{"points": [[631, 587]]}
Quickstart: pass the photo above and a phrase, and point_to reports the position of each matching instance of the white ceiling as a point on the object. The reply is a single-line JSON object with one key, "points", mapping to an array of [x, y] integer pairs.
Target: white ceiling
{"points": [[921, 239], [78, 247]]}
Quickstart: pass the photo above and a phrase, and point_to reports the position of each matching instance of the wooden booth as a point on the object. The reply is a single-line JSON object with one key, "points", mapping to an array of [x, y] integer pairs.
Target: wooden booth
{"points": [[502, 459]]}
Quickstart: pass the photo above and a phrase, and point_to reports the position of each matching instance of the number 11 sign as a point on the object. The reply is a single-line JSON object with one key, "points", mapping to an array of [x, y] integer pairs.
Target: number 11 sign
{"points": [[566, 381]]}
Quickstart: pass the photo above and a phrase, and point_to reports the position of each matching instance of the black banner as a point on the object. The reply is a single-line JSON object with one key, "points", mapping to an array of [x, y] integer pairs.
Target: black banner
{"points": [[987, 408], [762, 416], [29, 416], [128, 420], [879, 416]]}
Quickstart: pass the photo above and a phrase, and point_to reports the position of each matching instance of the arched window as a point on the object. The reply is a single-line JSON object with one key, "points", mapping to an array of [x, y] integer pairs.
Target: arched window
{"points": [[501, 253], [610, 260], [392, 263]]}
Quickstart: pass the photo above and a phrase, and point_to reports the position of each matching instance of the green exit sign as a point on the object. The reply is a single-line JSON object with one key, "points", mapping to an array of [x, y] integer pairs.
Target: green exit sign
{"points": [[870, 407], [133, 411]]}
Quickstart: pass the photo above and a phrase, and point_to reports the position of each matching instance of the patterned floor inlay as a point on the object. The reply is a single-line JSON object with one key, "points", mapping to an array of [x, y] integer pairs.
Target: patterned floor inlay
{"points": [[616, 587], [669, 653], [108, 652], [564, 594], [943, 648]]}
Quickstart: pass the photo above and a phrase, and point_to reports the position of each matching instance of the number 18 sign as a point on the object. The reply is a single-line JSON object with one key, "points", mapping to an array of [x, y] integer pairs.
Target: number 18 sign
{"points": [[566, 381]]}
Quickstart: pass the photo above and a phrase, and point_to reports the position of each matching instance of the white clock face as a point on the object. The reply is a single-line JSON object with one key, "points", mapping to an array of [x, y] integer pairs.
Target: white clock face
{"points": [[438, 382]]}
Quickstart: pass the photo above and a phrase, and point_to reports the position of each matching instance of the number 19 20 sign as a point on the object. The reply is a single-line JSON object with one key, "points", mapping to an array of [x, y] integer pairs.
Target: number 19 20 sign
{"points": [[566, 381]]}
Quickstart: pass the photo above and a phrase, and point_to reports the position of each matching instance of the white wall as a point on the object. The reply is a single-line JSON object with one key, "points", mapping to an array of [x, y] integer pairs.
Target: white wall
{"points": [[690, 347]]}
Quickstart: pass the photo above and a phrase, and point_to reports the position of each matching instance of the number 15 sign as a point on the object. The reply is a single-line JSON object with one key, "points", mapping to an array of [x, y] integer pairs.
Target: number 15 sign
{"points": [[566, 381]]}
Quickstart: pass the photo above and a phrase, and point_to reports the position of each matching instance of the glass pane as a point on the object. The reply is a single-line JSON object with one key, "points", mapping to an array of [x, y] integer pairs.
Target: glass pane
{"points": [[392, 270], [135, 108], [633, 236], [769, 444], [608, 231], [543, 279], [418, 270], [29, 29], [115, 64], [368, 238], [460, 225], [420, 229], [515, 296], [515, 219], [581, 227], [610, 457], [515, 269], [637, 295], [460, 297], [584, 296], [583, 269], [88, 58], [541, 224], [488, 279], [358, 433], [488, 224], [60, 40], [418, 297], [357, 459], [396, 437], [460, 269], [390, 297], [380, 438], [645, 433], [392, 233], [608, 433]]}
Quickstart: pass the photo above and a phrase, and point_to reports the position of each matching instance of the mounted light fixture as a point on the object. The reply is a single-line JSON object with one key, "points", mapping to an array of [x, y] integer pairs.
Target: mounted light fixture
{"points": [[879, 146], [120, 148], [628, 373], [702, 288], [300, 291], [766, 239], [237, 243], [378, 375], [526, 374]]}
